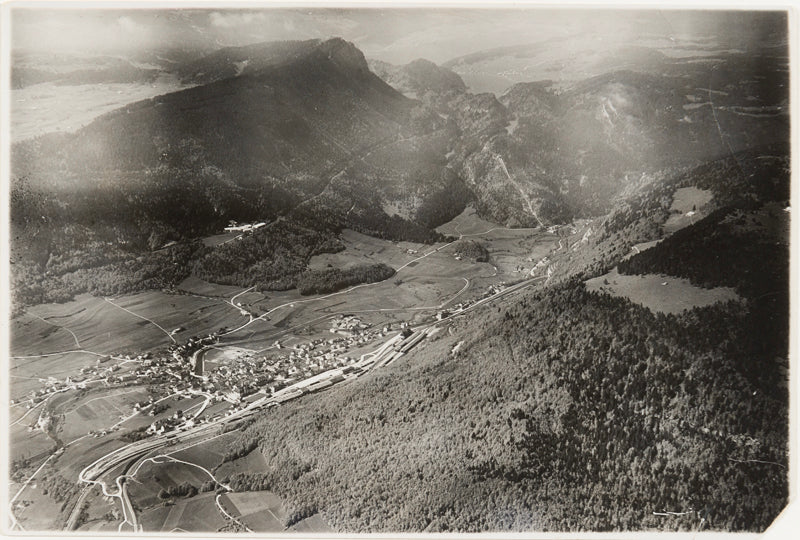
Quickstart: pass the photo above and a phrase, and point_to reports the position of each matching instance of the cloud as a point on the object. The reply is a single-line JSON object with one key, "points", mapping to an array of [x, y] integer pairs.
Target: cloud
{"points": [[234, 19], [128, 24]]}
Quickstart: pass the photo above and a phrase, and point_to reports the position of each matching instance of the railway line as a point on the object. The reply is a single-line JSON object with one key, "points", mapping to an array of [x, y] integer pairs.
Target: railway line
{"points": [[388, 352]]}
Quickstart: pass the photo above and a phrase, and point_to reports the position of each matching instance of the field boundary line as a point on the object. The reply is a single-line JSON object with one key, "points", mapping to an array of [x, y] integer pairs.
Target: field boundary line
{"points": [[77, 342], [142, 317]]}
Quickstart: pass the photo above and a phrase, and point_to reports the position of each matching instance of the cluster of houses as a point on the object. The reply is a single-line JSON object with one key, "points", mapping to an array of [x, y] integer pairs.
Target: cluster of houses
{"points": [[230, 381], [111, 374], [235, 380], [491, 290], [168, 424], [180, 352], [248, 374], [173, 370], [348, 325]]}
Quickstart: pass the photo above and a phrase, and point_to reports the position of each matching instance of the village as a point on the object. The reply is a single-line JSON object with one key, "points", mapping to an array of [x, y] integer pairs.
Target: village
{"points": [[235, 376]]}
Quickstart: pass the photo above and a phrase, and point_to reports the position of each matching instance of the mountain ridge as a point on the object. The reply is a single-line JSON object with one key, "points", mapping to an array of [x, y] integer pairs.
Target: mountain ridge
{"points": [[312, 134]]}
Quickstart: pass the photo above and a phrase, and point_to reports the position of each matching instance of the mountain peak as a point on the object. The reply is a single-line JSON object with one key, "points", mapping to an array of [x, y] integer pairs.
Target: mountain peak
{"points": [[344, 53]]}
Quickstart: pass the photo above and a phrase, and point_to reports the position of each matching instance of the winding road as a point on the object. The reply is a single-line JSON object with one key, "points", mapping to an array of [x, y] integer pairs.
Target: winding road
{"points": [[92, 475]]}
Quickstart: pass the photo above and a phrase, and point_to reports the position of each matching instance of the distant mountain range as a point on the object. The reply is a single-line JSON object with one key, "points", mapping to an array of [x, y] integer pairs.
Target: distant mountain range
{"points": [[557, 408], [308, 130]]}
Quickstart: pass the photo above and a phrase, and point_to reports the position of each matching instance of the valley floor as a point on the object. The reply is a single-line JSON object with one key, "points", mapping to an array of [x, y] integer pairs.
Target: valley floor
{"points": [[89, 376]]}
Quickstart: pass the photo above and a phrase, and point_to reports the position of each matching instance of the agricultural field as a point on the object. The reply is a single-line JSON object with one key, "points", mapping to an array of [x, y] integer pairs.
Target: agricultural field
{"points": [[35, 510], [198, 315], [159, 473], [103, 407], [102, 513], [31, 334], [23, 413], [208, 454], [659, 293], [97, 325], [132, 323], [195, 285], [467, 223], [420, 288], [253, 462], [29, 444], [106, 335], [261, 511], [98, 526], [173, 404], [216, 409], [25, 372], [153, 519], [194, 514], [312, 525], [360, 248], [82, 452], [514, 252]]}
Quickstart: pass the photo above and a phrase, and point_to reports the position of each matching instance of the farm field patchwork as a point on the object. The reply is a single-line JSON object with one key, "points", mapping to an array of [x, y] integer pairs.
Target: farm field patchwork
{"points": [[164, 473], [101, 513], [36, 510], [31, 334], [94, 321], [100, 408], [84, 451], [33, 445], [208, 454], [261, 511], [360, 248], [193, 514], [25, 373], [113, 333]]}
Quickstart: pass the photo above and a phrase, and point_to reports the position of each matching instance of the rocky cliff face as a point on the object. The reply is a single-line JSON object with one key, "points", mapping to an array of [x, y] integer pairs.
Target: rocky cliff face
{"points": [[310, 120]]}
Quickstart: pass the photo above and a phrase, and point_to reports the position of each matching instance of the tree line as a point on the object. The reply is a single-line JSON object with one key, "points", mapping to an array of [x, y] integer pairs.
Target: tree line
{"points": [[567, 410], [334, 279]]}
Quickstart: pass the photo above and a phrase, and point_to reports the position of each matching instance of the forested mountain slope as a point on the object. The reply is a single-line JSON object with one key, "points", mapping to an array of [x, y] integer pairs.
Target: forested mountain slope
{"points": [[572, 410], [311, 134], [305, 131], [569, 411]]}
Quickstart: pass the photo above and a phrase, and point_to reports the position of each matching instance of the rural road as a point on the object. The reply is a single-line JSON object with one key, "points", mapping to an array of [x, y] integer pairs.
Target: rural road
{"points": [[92, 473], [197, 434]]}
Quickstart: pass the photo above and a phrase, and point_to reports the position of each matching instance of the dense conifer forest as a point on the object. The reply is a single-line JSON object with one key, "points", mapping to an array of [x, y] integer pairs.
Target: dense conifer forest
{"points": [[569, 411], [334, 279]]}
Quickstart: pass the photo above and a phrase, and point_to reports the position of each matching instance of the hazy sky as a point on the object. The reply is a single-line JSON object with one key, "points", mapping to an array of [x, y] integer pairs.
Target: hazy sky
{"points": [[395, 35]]}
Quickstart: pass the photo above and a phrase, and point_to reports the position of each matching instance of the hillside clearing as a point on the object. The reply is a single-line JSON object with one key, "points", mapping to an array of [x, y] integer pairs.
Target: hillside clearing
{"points": [[687, 208], [261, 511], [658, 292]]}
